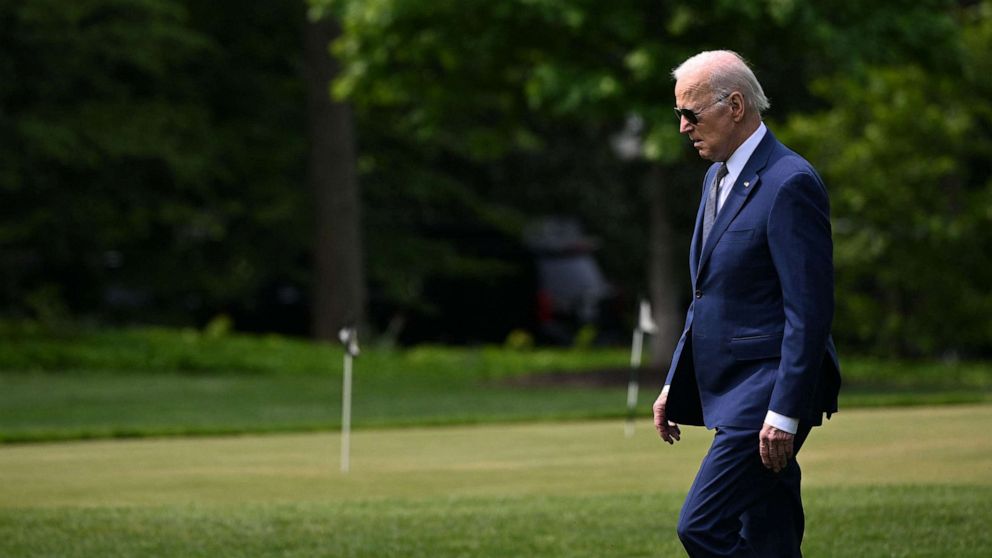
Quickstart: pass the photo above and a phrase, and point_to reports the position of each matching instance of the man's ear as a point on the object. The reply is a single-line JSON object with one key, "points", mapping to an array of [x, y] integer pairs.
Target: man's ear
{"points": [[736, 106]]}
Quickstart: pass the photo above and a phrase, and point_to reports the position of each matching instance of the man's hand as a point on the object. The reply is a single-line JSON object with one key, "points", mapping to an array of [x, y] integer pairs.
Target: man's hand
{"points": [[775, 447], [668, 430]]}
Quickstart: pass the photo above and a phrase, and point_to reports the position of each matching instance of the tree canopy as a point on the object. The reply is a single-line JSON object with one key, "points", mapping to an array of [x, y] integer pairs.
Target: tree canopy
{"points": [[906, 149], [153, 159]]}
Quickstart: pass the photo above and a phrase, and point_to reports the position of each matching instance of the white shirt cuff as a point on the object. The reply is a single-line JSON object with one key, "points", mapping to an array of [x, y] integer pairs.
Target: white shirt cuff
{"points": [[782, 422]]}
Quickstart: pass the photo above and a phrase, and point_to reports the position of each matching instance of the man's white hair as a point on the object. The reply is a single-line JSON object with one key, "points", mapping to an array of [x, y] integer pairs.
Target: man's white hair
{"points": [[728, 72]]}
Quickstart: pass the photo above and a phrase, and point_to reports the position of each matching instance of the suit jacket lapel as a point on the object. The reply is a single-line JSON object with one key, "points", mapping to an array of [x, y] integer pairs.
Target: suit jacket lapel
{"points": [[695, 245], [746, 183]]}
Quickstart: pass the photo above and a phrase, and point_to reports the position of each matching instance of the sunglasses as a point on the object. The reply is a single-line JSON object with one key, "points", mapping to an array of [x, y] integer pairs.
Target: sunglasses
{"points": [[692, 116]]}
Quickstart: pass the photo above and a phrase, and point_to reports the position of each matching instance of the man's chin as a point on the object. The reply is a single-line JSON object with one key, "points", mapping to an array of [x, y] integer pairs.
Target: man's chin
{"points": [[700, 148]]}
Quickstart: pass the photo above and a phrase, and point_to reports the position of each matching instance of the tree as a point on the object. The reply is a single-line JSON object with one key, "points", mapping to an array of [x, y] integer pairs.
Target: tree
{"points": [[152, 155], [485, 90], [479, 84], [94, 102], [905, 149], [153, 152], [338, 285]]}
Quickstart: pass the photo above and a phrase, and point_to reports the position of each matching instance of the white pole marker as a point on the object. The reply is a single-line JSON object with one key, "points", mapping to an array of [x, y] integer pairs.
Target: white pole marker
{"points": [[645, 324], [349, 338]]}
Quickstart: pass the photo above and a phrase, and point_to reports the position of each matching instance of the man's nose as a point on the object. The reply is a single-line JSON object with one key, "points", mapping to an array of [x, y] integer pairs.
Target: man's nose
{"points": [[684, 125]]}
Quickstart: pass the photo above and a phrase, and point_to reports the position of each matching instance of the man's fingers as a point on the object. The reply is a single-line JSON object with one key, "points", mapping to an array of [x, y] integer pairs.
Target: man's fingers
{"points": [[775, 447], [780, 452], [669, 431], [771, 455], [776, 455], [663, 430], [661, 425]]}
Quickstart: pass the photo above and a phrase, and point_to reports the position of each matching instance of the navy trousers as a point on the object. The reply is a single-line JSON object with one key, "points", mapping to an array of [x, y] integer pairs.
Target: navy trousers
{"points": [[737, 507]]}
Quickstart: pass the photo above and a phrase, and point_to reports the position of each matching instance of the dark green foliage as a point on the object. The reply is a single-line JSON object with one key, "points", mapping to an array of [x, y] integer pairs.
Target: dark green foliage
{"points": [[152, 153], [151, 156], [511, 93], [905, 149]]}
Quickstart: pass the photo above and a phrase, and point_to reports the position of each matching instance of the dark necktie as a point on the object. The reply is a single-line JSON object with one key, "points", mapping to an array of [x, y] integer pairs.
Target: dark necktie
{"points": [[712, 202]]}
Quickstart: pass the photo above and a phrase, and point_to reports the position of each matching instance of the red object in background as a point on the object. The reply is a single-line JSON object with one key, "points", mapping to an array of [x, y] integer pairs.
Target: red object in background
{"points": [[545, 307]]}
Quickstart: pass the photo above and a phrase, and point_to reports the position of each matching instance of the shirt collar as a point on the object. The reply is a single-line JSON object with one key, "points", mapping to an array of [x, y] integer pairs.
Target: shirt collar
{"points": [[737, 160]]}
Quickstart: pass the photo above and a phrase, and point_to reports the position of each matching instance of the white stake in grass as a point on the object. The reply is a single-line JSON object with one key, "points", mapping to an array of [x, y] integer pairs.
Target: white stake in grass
{"points": [[645, 324], [349, 338]]}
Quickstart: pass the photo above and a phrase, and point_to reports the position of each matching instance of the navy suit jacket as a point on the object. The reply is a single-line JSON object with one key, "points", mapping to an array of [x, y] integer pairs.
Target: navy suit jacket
{"points": [[757, 334]]}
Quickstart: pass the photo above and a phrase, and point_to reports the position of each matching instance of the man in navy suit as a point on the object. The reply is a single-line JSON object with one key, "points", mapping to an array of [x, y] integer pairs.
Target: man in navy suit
{"points": [[755, 361]]}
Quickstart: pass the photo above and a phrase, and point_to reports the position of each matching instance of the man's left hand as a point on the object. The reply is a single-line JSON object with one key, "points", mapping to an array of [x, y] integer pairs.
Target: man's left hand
{"points": [[775, 447]]}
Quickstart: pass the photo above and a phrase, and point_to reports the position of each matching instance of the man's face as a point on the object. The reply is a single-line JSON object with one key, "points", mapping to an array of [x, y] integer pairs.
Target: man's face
{"points": [[712, 133]]}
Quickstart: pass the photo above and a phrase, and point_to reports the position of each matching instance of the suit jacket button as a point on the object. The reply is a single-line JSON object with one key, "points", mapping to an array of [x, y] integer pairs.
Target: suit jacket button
{"points": [[699, 293]]}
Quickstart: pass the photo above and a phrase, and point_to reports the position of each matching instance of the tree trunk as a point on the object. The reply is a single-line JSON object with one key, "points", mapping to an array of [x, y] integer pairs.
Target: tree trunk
{"points": [[662, 282], [338, 295]]}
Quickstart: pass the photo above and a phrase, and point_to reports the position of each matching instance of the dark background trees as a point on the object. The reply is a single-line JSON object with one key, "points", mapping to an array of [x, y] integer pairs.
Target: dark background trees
{"points": [[338, 284], [151, 157], [161, 163]]}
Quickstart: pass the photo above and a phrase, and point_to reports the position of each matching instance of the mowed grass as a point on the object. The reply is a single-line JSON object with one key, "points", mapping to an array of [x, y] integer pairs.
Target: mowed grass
{"points": [[67, 406], [116, 383], [40, 406], [402, 390], [886, 482]]}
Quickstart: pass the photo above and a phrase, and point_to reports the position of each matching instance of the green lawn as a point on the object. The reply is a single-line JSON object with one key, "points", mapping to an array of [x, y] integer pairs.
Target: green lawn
{"points": [[887, 482], [46, 406], [879, 482], [152, 382], [39, 406]]}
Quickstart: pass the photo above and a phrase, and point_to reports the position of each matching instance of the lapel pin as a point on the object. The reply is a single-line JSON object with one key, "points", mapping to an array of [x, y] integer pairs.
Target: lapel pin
{"points": [[747, 184]]}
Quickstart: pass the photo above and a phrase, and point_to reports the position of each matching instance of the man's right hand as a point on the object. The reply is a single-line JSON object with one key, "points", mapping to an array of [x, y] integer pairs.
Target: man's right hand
{"points": [[669, 431]]}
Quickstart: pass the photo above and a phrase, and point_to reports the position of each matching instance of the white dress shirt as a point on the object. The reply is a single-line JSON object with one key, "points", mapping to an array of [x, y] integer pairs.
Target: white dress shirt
{"points": [[736, 162]]}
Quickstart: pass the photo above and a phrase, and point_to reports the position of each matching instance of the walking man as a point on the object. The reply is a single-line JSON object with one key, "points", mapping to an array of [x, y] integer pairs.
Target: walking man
{"points": [[755, 361]]}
